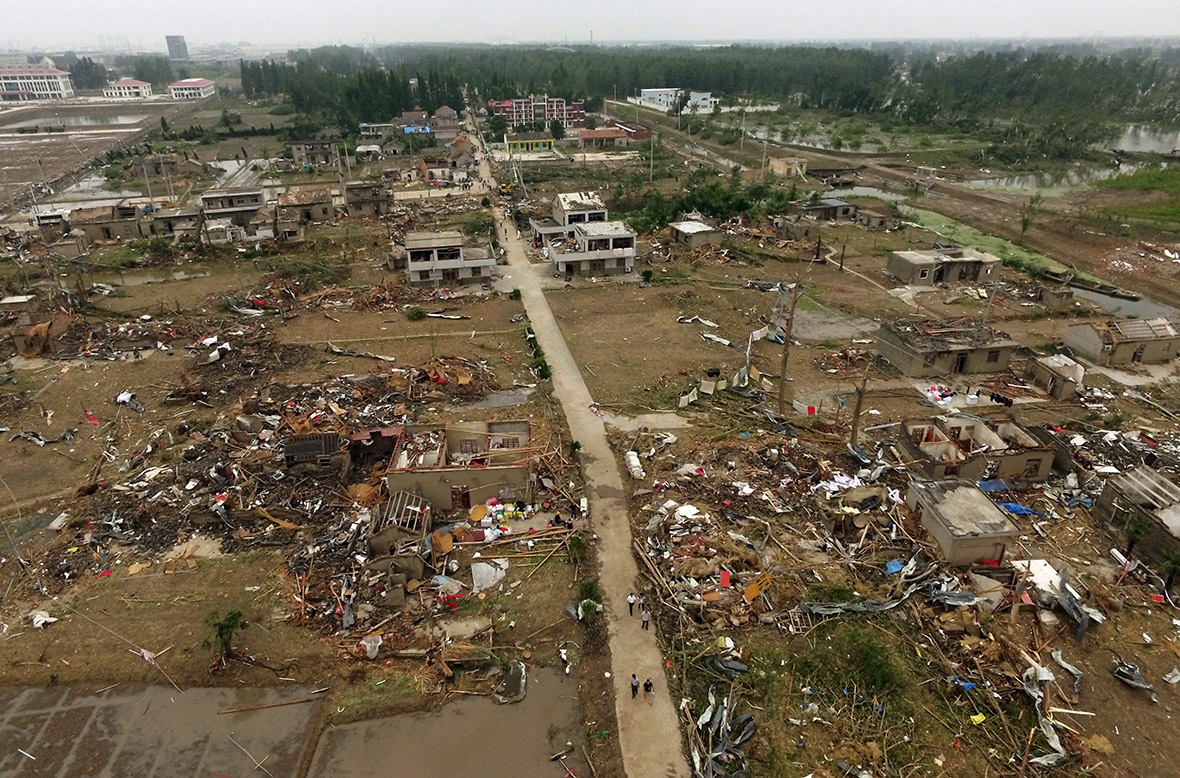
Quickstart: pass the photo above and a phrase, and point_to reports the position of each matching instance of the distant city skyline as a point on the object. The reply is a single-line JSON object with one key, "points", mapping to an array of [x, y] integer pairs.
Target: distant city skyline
{"points": [[301, 23]]}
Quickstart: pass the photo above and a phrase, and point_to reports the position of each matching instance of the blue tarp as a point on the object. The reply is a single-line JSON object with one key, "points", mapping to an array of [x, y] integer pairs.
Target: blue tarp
{"points": [[995, 485], [893, 566], [1019, 510]]}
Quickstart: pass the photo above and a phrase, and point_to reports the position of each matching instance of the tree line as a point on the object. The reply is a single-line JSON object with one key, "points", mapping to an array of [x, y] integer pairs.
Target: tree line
{"points": [[368, 93]]}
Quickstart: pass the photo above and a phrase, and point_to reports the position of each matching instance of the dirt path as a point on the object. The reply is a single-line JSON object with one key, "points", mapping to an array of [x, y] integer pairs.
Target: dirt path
{"points": [[649, 731]]}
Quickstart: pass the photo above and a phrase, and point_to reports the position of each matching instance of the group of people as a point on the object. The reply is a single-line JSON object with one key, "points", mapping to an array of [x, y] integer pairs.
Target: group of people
{"points": [[645, 619], [644, 613]]}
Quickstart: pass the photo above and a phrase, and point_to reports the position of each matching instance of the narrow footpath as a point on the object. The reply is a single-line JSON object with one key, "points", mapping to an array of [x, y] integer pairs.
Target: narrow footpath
{"points": [[649, 731]]}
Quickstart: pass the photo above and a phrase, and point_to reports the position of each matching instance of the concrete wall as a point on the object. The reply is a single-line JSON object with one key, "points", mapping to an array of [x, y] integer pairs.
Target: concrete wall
{"points": [[481, 483], [901, 355], [124, 229], [907, 272], [1061, 388], [1085, 341], [694, 240]]}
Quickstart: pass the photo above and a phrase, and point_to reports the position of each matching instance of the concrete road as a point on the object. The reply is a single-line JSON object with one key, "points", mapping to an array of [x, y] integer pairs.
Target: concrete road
{"points": [[649, 733]]}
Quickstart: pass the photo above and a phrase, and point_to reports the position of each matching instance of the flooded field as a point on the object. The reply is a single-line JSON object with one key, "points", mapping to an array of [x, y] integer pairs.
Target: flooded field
{"points": [[1053, 180], [1141, 138], [34, 160], [76, 121], [151, 732], [471, 737]]}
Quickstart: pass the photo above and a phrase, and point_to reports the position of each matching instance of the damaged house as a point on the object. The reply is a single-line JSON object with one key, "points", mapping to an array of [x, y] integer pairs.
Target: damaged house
{"points": [[460, 465], [442, 258], [694, 234], [1124, 342], [965, 523], [109, 222], [1057, 374], [941, 266], [973, 448], [364, 198], [1144, 493], [237, 206], [932, 348], [599, 249], [827, 209], [569, 210]]}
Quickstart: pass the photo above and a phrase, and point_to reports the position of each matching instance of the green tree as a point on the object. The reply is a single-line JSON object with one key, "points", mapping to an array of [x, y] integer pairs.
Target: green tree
{"points": [[1135, 527], [556, 129], [591, 123], [497, 126], [163, 125], [1029, 211], [85, 73]]}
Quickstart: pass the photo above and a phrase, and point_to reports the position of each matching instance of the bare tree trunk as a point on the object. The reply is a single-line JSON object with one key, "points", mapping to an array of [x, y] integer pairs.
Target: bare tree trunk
{"points": [[796, 293]]}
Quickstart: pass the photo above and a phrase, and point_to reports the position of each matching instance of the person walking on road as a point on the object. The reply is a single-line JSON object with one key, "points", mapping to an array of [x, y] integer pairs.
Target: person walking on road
{"points": [[648, 686], [631, 604], [645, 617], [634, 685]]}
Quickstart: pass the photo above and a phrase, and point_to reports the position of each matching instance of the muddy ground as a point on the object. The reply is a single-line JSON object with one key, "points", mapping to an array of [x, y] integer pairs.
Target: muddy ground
{"points": [[152, 731], [468, 737]]}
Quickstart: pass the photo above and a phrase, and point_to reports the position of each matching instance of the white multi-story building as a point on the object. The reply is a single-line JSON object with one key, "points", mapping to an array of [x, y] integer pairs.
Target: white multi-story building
{"points": [[599, 249], [34, 83], [192, 89], [698, 102], [127, 87]]}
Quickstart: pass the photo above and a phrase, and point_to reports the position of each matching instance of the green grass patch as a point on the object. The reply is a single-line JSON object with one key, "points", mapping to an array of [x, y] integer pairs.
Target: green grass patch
{"points": [[1159, 179]]}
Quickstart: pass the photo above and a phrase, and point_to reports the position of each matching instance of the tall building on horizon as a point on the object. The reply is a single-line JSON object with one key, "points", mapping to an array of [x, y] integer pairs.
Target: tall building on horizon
{"points": [[177, 48]]}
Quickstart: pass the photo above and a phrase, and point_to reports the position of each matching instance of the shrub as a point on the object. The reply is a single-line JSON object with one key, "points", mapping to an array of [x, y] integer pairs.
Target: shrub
{"points": [[225, 630], [414, 313], [588, 590]]}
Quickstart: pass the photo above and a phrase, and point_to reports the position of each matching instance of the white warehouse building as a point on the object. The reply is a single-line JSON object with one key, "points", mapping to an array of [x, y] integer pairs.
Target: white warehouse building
{"points": [[665, 98], [192, 89], [127, 88], [34, 83]]}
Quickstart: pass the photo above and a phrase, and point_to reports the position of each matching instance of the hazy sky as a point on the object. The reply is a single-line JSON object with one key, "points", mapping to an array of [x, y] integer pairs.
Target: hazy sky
{"points": [[79, 23]]}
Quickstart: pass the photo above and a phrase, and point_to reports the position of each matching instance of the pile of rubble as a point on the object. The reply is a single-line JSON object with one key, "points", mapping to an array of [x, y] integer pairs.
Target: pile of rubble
{"points": [[741, 535]]}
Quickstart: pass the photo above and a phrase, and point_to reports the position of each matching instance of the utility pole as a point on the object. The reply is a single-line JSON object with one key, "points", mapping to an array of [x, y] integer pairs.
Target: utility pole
{"points": [[148, 179], [860, 398], [743, 143], [765, 141], [652, 166], [168, 184], [796, 293]]}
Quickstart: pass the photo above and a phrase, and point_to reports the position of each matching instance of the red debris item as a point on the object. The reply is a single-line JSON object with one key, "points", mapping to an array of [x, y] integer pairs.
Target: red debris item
{"points": [[725, 579], [1158, 598], [89, 417], [104, 573], [332, 318], [958, 745]]}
